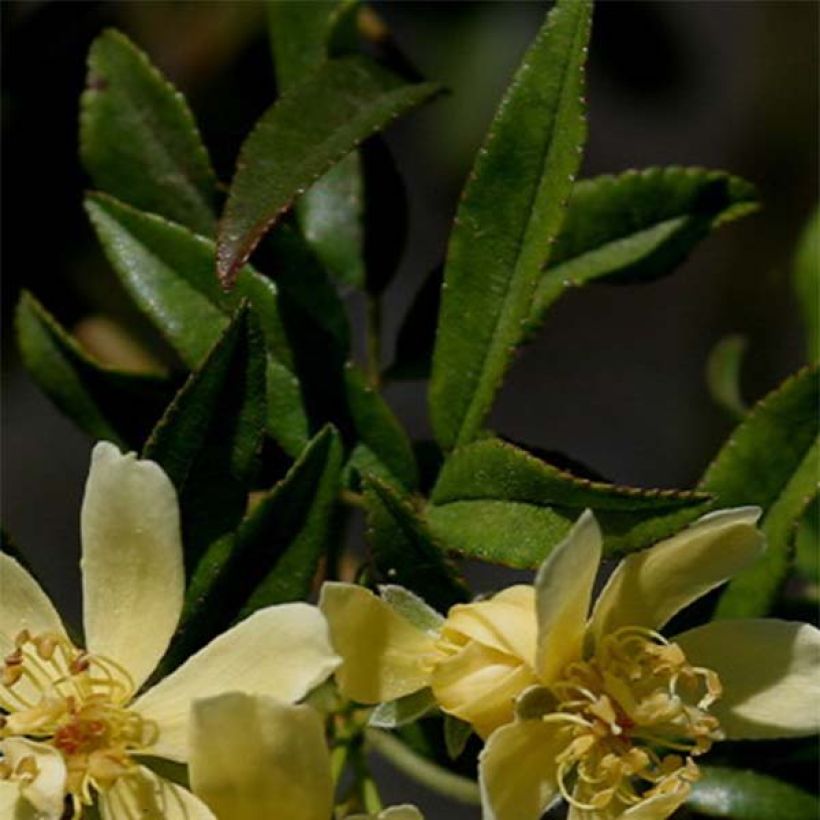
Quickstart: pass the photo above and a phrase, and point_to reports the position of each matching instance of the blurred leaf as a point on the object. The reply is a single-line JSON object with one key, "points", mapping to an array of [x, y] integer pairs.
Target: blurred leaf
{"points": [[456, 735], [748, 795], [500, 504], [209, 438], [510, 212], [723, 369], [402, 711], [403, 552], [807, 282], [770, 460], [637, 226], [105, 403], [138, 138], [169, 273], [305, 133]]}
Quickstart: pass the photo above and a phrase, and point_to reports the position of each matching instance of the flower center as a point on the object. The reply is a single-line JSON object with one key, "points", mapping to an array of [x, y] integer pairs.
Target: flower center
{"points": [[54, 693], [637, 713]]}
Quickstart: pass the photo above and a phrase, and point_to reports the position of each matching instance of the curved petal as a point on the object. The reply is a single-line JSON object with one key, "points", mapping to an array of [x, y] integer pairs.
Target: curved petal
{"points": [[770, 671], [517, 769], [402, 812], [656, 807], [283, 651], [46, 792], [649, 587], [563, 588], [23, 604], [384, 656], [145, 795], [133, 577], [271, 759]]}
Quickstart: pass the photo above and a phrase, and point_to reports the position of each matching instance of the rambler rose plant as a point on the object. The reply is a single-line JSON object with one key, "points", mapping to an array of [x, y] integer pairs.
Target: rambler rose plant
{"points": [[239, 657]]}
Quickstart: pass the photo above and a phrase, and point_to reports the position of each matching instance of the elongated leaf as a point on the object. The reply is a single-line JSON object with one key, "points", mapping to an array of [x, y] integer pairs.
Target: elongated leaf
{"points": [[807, 283], [301, 137], [723, 374], [747, 795], [770, 460], [498, 503], [138, 138], [209, 438], [169, 272], [638, 225], [104, 402], [510, 213], [402, 711]]}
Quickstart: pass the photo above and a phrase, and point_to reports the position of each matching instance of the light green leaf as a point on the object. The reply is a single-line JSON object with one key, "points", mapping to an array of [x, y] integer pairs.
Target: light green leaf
{"points": [[807, 283], [723, 375], [402, 711], [307, 131], [138, 138], [410, 606], [510, 213], [456, 735]]}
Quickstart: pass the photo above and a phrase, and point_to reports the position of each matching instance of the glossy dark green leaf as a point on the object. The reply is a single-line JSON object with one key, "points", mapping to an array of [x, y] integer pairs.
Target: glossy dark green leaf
{"points": [[510, 213], [209, 438], [807, 283], [404, 552], [104, 402], [770, 460], [637, 226], [138, 138], [498, 503], [308, 130], [169, 273], [747, 795], [723, 369]]}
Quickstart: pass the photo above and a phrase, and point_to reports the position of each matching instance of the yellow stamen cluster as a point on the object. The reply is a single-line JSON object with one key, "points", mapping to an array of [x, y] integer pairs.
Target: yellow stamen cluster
{"points": [[75, 702], [636, 714]]}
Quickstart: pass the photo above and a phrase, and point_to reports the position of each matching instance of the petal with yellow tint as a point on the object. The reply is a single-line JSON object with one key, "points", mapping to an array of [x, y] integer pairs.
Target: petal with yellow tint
{"points": [[283, 651], [656, 807], [649, 587], [770, 673], [254, 757], [384, 656], [12, 804], [46, 791], [133, 576], [144, 794], [563, 588], [518, 770]]}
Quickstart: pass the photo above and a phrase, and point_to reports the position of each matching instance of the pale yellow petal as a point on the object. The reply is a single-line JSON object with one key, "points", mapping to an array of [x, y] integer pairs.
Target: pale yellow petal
{"points": [[283, 651], [770, 672], [517, 769], [254, 757], [505, 622], [384, 656], [133, 576], [46, 791], [656, 807], [480, 685], [143, 794], [563, 589], [649, 587], [403, 812], [23, 604]]}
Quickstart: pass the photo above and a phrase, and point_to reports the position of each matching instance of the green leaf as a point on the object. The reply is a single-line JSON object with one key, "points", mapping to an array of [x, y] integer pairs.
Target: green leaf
{"points": [[138, 138], [770, 460], [456, 735], [498, 503], [410, 606], [169, 273], [308, 130], [723, 375], [402, 711], [209, 438], [807, 283], [104, 402], [748, 795], [637, 226], [807, 547], [403, 551], [510, 213]]}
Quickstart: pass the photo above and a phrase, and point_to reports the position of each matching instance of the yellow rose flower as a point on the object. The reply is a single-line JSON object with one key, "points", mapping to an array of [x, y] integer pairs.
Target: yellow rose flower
{"points": [[74, 721]]}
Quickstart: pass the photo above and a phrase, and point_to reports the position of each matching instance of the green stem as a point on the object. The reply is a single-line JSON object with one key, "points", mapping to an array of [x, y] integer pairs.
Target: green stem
{"points": [[374, 343]]}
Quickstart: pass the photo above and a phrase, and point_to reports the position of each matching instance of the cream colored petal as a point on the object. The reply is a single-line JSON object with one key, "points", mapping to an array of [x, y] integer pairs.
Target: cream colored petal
{"points": [[46, 792], [144, 795], [283, 651], [254, 757], [649, 587], [133, 576], [23, 604], [505, 622], [384, 656], [563, 588], [657, 807], [403, 812], [480, 685], [517, 769], [770, 672]]}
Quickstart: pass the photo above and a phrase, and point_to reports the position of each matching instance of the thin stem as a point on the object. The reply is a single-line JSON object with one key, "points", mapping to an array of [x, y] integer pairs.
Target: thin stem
{"points": [[374, 341]]}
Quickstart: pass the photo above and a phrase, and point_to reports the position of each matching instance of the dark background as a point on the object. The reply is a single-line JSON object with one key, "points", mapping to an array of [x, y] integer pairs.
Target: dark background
{"points": [[615, 378]]}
